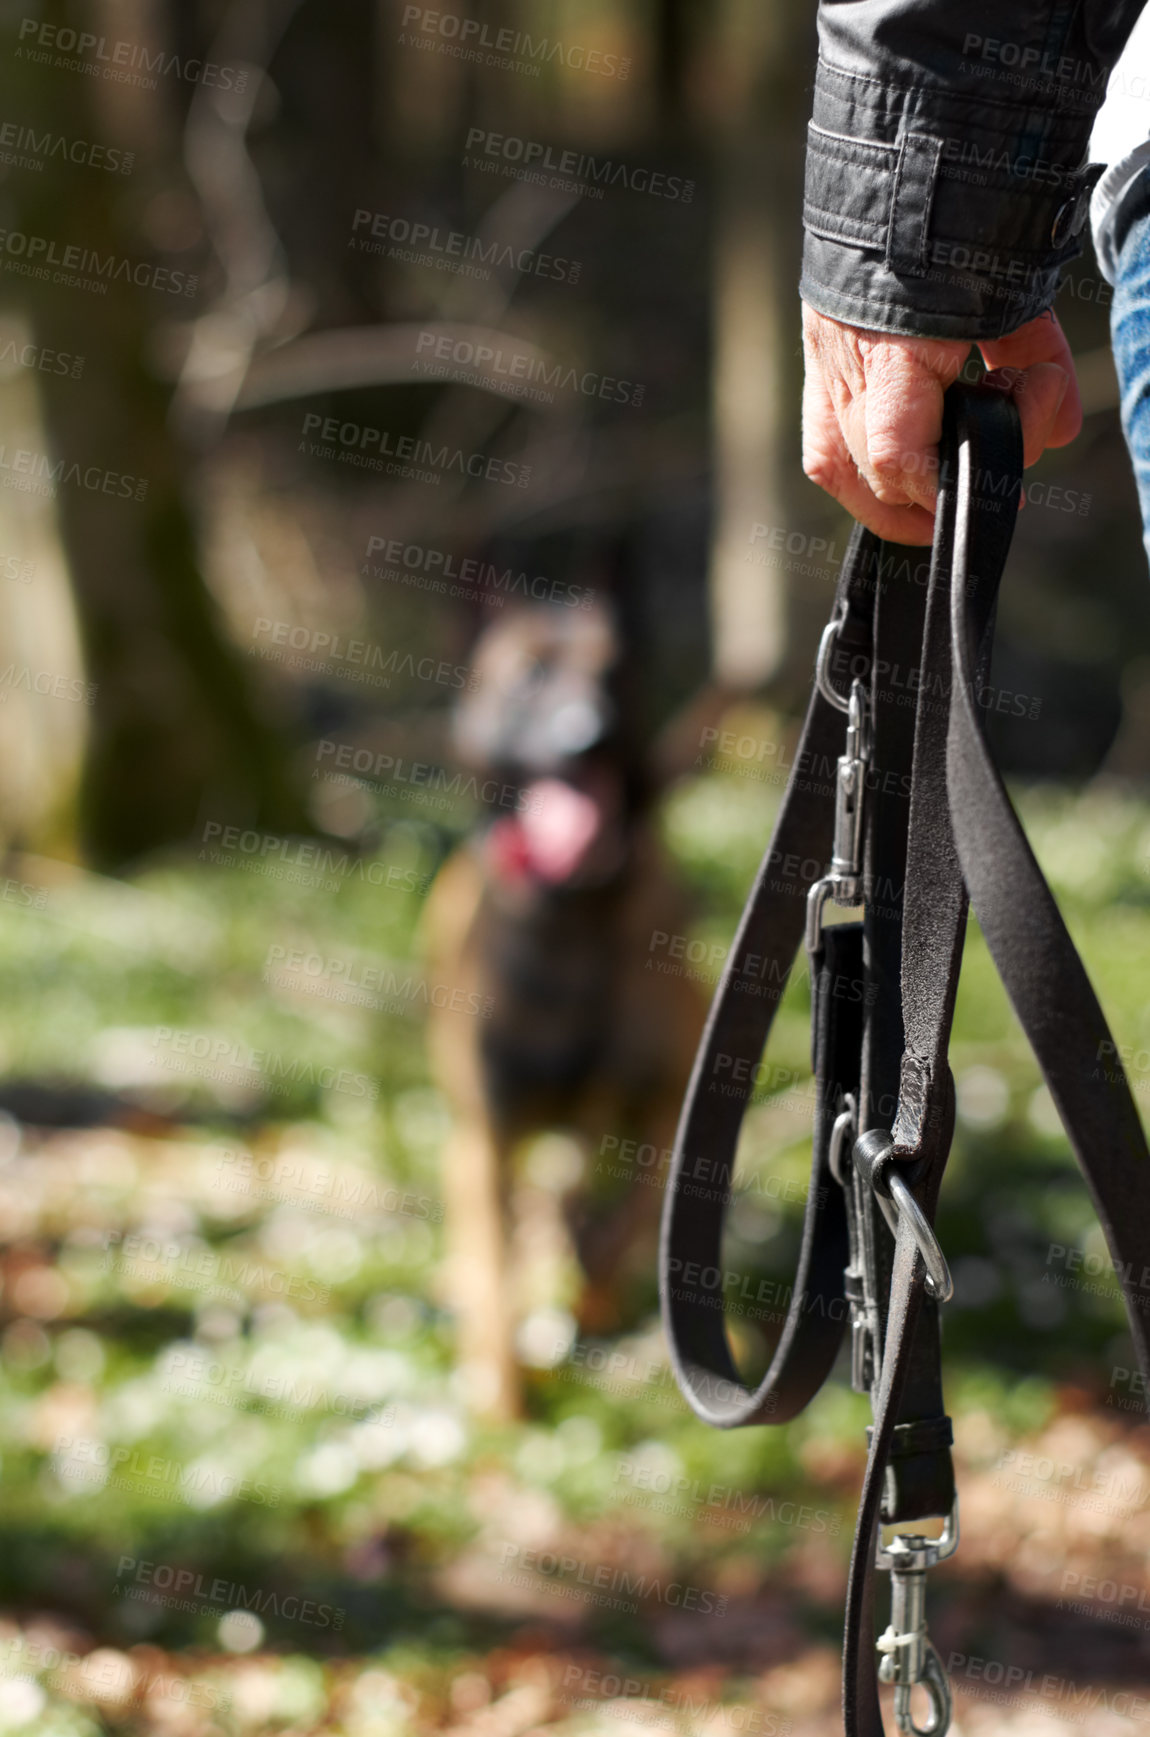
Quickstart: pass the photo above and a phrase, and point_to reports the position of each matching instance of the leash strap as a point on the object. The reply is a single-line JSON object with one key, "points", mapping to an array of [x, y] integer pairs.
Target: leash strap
{"points": [[884, 1097]]}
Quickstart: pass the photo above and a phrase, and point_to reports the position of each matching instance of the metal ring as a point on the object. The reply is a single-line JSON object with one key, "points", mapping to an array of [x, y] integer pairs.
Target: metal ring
{"points": [[939, 1283], [822, 675]]}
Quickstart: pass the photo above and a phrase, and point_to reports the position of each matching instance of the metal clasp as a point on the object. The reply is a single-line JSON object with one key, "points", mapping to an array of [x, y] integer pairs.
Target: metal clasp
{"points": [[864, 1319], [909, 1660], [843, 880]]}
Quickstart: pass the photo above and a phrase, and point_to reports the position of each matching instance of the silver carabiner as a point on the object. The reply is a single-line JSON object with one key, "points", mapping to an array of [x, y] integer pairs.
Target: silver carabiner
{"points": [[843, 880], [909, 1659]]}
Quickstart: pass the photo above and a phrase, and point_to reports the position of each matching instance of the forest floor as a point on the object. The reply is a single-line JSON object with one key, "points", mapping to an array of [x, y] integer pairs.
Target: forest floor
{"points": [[241, 1490]]}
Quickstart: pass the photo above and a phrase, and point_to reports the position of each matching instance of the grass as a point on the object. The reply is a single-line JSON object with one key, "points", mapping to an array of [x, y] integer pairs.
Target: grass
{"points": [[226, 1380]]}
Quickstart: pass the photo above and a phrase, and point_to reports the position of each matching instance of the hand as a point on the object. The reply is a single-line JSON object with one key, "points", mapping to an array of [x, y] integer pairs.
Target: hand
{"points": [[872, 412]]}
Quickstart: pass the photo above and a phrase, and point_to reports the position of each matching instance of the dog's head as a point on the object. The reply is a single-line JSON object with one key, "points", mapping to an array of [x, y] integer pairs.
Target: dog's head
{"points": [[548, 716]]}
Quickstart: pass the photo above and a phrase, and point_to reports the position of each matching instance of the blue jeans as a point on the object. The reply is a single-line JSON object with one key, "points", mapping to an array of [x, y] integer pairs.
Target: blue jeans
{"points": [[1130, 334]]}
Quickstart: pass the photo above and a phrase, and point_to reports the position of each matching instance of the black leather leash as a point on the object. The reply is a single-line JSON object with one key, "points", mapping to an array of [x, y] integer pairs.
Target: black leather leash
{"points": [[916, 823]]}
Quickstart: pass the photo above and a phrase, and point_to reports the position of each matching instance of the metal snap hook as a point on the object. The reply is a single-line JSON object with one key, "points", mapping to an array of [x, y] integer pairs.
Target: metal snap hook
{"points": [[933, 1680], [907, 1657]]}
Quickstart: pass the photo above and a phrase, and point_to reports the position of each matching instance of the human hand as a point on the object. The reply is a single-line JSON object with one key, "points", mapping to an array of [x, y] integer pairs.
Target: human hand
{"points": [[872, 411]]}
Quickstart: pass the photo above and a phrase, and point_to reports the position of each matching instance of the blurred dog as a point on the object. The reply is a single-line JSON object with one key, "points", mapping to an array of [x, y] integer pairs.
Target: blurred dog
{"points": [[550, 913]]}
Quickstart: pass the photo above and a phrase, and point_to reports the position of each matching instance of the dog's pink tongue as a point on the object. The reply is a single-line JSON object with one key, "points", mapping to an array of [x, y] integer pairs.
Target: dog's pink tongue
{"points": [[559, 824], [552, 833]]}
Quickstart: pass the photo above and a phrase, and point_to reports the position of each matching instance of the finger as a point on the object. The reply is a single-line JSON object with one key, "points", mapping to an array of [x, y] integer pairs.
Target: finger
{"points": [[1039, 393], [903, 417], [828, 462], [1041, 340], [910, 524]]}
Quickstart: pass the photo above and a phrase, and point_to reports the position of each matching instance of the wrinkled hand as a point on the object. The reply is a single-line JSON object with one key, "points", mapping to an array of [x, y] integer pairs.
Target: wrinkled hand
{"points": [[872, 412]]}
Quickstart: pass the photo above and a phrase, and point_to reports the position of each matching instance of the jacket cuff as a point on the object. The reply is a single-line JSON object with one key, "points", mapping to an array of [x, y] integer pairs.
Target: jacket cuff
{"points": [[946, 220]]}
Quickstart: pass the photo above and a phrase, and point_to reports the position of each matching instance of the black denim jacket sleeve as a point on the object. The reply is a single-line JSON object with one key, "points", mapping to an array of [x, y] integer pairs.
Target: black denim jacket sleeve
{"points": [[946, 173]]}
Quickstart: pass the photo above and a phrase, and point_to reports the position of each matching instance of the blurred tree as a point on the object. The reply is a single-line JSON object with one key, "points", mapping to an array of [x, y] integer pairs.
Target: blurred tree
{"points": [[176, 732], [757, 100]]}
